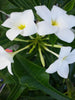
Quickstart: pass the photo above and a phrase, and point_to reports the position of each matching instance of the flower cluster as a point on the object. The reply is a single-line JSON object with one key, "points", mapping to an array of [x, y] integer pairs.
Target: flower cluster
{"points": [[55, 21]]}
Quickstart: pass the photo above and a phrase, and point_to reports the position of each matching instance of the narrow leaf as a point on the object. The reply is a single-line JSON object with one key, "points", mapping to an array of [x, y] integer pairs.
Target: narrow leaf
{"points": [[69, 5]]}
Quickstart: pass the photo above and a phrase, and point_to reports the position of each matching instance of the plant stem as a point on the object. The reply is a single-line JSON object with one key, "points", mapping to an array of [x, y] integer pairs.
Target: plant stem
{"points": [[56, 46], [17, 39], [51, 51], [69, 88], [4, 13], [13, 54], [31, 37], [41, 56]]}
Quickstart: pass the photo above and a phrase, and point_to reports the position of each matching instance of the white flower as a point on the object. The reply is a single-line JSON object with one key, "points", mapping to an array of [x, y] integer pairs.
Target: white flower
{"points": [[61, 65], [5, 60], [55, 21], [20, 23]]}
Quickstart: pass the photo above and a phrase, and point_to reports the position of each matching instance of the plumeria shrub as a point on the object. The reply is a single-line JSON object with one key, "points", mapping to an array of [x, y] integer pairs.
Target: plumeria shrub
{"points": [[37, 50]]}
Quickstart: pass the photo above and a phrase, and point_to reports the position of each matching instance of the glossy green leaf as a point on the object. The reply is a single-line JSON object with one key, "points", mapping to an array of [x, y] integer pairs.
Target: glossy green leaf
{"points": [[69, 5], [38, 98], [29, 4], [24, 4], [16, 92], [38, 77], [7, 78]]}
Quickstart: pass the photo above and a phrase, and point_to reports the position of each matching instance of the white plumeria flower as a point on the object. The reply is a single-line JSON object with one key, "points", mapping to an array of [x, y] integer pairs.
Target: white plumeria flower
{"points": [[61, 65], [55, 21], [20, 23], [5, 60]]}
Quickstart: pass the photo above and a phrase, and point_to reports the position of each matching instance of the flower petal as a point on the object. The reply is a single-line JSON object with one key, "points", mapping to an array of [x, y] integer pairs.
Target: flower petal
{"points": [[1, 49], [63, 70], [5, 59], [70, 20], [62, 23], [58, 9], [53, 67], [45, 28], [71, 58], [8, 23], [3, 62], [43, 12], [9, 68], [13, 33], [22, 17], [30, 29], [6, 55], [17, 18], [66, 21], [65, 35], [65, 51], [27, 14], [56, 12]]}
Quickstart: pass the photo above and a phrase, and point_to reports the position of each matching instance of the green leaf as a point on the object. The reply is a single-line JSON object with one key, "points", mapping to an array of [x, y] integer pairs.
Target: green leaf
{"points": [[30, 73], [16, 92], [69, 5], [37, 98], [8, 79], [53, 39], [7, 7], [24, 4], [29, 4], [50, 3]]}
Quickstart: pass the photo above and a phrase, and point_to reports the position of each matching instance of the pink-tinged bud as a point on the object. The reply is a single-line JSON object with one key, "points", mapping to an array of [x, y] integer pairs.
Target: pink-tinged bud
{"points": [[8, 50]]}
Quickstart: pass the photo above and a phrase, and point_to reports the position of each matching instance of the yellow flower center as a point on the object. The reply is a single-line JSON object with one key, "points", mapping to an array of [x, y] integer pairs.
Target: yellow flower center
{"points": [[64, 57], [21, 27], [54, 23]]}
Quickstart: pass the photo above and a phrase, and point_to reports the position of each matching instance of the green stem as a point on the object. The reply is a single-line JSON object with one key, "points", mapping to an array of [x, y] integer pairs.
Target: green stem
{"points": [[31, 37], [32, 48], [13, 54], [41, 56], [51, 51], [4, 13], [56, 46], [69, 88], [45, 38], [17, 39]]}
